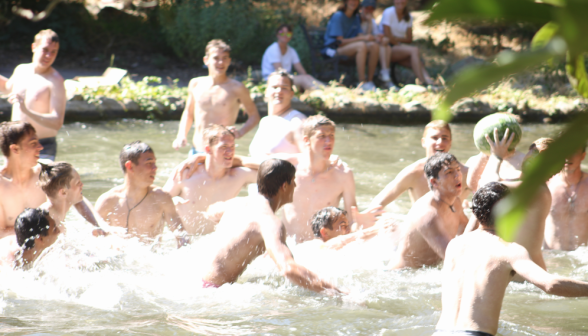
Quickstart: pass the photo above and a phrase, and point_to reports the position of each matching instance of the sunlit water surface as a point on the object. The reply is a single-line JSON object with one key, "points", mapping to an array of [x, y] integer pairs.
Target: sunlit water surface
{"points": [[98, 286]]}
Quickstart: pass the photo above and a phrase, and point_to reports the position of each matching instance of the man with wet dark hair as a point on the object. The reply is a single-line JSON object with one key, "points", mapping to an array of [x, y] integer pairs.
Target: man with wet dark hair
{"points": [[249, 228], [479, 266], [137, 205], [35, 231], [435, 218], [19, 187]]}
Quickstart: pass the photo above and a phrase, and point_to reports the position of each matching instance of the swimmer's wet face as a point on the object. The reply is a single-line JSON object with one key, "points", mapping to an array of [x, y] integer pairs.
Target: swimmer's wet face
{"points": [[443, 173], [330, 222], [44, 52], [34, 226], [28, 149], [322, 141], [436, 139], [279, 90], [145, 169], [485, 199], [223, 151], [74, 192]]}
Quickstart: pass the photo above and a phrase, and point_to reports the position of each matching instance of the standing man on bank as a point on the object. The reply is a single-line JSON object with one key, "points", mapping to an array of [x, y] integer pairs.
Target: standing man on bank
{"points": [[37, 93]]}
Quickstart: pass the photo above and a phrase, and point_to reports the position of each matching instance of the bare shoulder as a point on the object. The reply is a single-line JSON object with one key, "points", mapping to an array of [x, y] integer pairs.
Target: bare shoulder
{"points": [[110, 197], [237, 87], [474, 160], [56, 78], [414, 169], [241, 171], [423, 212], [195, 81], [160, 194]]}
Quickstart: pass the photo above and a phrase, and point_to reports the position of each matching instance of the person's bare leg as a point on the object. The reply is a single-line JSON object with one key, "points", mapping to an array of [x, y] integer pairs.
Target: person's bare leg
{"points": [[359, 50], [373, 49], [385, 53], [401, 53], [307, 82]]}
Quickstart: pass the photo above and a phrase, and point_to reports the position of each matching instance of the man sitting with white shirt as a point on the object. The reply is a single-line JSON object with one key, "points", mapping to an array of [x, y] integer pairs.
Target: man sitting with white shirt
{"points": [[279, 55]]}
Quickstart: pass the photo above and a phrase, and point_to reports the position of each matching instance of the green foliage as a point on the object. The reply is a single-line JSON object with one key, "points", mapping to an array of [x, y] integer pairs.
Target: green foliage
{"points": [[564, 26], [299, 43], [145, 93]]}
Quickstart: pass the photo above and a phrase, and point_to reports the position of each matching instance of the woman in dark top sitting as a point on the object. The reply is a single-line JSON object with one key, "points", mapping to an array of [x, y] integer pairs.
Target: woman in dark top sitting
{"points": [[344, 37]]}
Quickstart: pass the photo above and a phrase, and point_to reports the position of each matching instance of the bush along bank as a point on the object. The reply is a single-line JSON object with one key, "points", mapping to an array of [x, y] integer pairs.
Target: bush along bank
{"points": [[148, 99]]}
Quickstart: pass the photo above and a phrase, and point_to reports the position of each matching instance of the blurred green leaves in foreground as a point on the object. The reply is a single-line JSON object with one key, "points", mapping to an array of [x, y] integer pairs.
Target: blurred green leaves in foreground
{"points": [[563, 34]]}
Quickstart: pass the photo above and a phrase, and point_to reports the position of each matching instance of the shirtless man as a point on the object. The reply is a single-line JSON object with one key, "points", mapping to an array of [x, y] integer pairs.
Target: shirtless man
{"points": [[250, 227], [138, 205], [37, 92], [331, 229], [19, 188], [214, 181], [436, 138], [566, 227], [532, 231], [35, 231], [434, 219], [478, 267], [215, 99], [320, 183]]}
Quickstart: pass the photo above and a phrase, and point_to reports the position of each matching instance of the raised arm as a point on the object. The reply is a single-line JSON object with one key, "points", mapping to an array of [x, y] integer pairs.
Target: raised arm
{"points": [[187, 117], [53, 119], [339, 242], [551, 284], [87, 211], [499, 150], [273, 233], [401, 183], [364, 219], [249, 108]]}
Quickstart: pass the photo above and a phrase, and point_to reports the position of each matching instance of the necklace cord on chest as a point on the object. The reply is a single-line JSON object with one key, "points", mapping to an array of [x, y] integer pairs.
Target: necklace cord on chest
{"points": [[136, 205]]}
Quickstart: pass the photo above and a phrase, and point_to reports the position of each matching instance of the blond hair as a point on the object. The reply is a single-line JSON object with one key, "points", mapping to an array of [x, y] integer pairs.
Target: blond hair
{"points": [[314, 122], [217, 44], [437, 124], [46, 33], [214, 132], [55, 176]]}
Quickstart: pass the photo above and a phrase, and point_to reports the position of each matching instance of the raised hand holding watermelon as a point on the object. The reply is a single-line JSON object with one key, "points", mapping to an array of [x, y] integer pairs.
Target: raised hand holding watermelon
{"points": [[501, 147]]}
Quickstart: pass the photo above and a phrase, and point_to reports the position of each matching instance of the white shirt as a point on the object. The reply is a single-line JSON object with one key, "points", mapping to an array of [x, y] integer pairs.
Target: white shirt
{"points": [[390, 19], [271, 135], [273, 54]]}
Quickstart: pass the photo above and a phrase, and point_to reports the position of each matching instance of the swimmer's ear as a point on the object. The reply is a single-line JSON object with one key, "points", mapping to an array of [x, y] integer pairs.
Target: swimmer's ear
{"points": [[207, 149], [324, 233], [432, 182], [14, 148], [423, 142], [128, 165]]}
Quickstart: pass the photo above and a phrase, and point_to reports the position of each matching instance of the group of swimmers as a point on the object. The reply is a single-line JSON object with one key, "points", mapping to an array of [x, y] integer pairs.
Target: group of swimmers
{"points": [[294, 168]]}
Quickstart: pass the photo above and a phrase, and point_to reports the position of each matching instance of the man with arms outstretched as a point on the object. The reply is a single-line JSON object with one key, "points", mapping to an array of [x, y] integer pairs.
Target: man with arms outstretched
{"points": [[479, 266], [435, 219], [436, 138], [19, 187], [321, 183], [215, 99], [138, 206], [249, 228], [214, 181], [566, 227], [37, 92]]}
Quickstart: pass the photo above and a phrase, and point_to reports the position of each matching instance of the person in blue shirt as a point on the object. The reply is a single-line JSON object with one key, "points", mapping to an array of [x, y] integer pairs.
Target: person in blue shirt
{"points": [[345, 37]]}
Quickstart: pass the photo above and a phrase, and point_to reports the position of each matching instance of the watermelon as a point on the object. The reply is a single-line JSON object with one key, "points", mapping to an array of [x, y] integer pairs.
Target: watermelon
{"points": [[501, 121]]}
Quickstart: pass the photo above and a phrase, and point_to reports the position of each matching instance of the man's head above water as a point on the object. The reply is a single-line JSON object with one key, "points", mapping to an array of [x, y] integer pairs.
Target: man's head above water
{"points": [[330, 222], [485, 199], [319, 135], [137, 159], [443, 173], [45, 48], [436, 137], [61, 180], [18, 139], [275, 177], [220, 144], [33, 227]]}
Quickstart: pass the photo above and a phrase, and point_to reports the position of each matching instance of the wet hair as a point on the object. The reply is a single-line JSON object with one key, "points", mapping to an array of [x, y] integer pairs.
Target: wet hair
{"points": [[12, 132], [325, 218], [55, 176], [217, 44], [538, 146], [282, 26], [436, 162], [484, 200], [437, 124], [343, 7], [214, 132], [284, 74], [132, 152], [29, 225], [46, 33], [272, 175], [314, 122]]}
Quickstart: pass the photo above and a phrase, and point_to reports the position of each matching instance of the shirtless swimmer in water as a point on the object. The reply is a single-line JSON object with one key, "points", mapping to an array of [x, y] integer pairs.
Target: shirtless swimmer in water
{"points": [[215, 99], [479, 266], [436, 138], [249, 228]]}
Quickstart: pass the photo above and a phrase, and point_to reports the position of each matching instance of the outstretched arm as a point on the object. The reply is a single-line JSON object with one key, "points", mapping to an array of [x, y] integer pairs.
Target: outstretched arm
{"points": [[549, 283], [87, 211], [401, 183], [250, 109], [273, 233], [53, 119], [499, 150], [339, 242], [364, 219]]}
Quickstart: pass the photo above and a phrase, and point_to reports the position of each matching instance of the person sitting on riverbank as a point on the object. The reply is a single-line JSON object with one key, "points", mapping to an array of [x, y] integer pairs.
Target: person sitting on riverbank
{"points": [[532, 231], [331, 229], [344, 37], [280, 56], [281, 130], [137, 205], [250, 227], [63, 186], [396, 24], [214, 181], [19, 188], [35, 231], [37, 93], [435, 218], [479, 266], [436, 138], [215, 99], [321, 183], [565, 227]]}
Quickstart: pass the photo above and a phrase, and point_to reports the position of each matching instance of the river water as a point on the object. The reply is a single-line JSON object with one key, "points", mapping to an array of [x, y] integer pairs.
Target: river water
{"points": [[106, 286]]}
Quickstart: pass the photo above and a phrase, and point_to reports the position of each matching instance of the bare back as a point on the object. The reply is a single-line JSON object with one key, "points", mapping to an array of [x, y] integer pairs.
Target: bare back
{"points": [[42, 92], [566, 227]]}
